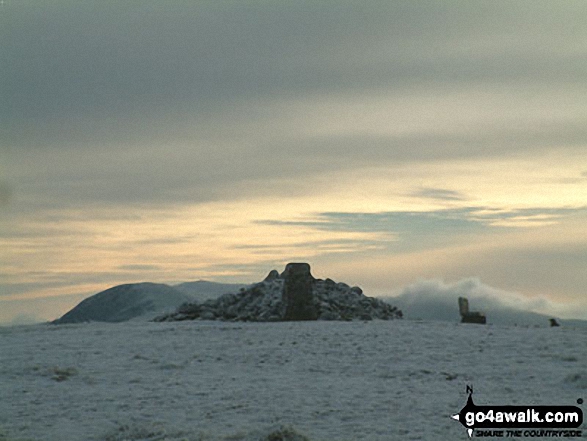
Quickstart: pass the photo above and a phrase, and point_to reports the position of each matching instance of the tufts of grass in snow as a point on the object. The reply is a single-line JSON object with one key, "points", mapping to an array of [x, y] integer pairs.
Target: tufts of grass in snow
{"points": [[62, 374], [577, 379], [152, 433], [158, 433], [285, 434]]}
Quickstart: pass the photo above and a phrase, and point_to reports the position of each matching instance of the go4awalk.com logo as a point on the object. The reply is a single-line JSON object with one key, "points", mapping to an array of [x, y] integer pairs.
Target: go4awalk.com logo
{"points": [[520, 421]]}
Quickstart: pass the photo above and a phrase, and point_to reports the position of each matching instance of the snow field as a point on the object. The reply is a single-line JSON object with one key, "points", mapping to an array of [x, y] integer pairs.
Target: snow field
{"points": [[327, 381]]}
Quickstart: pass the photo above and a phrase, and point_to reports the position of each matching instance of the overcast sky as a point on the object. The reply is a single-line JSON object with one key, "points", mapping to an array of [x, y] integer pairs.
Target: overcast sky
{"points": [[383, 142]]}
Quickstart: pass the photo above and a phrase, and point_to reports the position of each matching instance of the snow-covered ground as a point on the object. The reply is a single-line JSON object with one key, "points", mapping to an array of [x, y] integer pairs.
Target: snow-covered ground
{"points": [[329, 381]]}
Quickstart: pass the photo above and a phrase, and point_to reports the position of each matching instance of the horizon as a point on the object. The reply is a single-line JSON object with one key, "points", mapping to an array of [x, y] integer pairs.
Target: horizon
{"points": [[427, 300], [389, 145]]}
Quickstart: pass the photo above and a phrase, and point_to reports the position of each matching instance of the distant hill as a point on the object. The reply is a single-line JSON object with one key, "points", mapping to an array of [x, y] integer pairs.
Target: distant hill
{"points": [[143, 300], [124, 302], [203, 290]]}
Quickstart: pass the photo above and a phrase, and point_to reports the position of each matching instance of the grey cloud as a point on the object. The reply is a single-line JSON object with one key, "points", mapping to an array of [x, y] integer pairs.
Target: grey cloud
{"points": [[166, 240], [5, 193], [164, 102], [407, 231], [486, 141], [439, 193], [106, 60], [201, 172], [412, 231], [457, 218]]}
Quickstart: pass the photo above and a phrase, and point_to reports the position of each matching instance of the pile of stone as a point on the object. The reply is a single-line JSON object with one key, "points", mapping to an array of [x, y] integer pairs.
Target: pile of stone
{"points": [[292, 295]]}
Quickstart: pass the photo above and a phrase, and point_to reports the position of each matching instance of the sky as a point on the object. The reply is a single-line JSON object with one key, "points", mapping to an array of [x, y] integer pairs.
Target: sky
{"points": [[385, 143]]}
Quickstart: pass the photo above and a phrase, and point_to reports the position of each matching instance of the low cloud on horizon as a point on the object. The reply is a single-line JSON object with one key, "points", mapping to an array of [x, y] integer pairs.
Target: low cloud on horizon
{"points": [[437, 300]]}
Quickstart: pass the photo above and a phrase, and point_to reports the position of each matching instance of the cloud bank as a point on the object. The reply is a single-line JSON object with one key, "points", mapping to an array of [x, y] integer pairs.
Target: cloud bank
{"points": [[194, 102], [437, 300]]}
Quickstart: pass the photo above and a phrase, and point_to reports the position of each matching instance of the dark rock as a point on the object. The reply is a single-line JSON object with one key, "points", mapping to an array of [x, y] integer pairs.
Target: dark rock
{"points": [[273, 274], [297, 293]]}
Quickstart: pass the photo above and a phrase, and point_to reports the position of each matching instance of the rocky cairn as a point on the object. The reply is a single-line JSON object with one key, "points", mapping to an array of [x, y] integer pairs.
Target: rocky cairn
{"points": [[293, 295]]}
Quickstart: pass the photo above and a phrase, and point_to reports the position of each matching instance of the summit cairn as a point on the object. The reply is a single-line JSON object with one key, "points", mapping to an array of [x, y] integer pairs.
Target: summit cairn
{"points": [[297, 293], [293, 295]]}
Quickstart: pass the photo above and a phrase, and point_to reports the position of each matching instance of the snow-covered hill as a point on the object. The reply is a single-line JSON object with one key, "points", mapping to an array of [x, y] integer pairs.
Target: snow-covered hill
{"points": [[143, 301], [202, 290], [125, 302]]}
